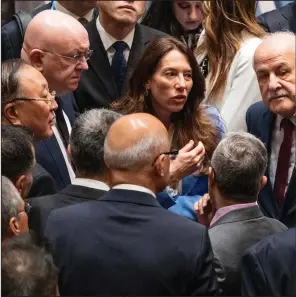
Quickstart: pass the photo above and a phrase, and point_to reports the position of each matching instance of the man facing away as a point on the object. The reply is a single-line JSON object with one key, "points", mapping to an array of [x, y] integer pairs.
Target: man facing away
{"points": [[126, 240], [274, 122], [57, 45], [236, 223]]}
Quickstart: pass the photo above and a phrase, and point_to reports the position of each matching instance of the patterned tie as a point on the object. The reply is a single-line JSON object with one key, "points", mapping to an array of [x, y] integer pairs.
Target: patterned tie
{"points": [[282, 171], [119, 65], [83, 21]]}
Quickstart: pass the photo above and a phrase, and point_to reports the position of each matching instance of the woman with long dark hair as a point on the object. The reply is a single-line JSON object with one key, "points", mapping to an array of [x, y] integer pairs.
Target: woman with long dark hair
{"points": [[178, 18], [168, 84]]}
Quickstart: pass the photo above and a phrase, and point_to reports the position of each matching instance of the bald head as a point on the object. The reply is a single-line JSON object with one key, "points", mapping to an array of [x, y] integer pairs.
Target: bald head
{"points": [[51, 28], [274, 64], [135, 141]]}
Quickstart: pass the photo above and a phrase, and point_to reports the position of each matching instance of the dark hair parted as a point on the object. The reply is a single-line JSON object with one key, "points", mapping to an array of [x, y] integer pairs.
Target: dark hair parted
{"points": [[27, 269], [10, 80], [190, 123], [17, 155]]}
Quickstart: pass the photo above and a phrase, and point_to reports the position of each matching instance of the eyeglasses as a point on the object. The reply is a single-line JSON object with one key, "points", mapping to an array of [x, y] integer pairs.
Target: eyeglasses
{"points": [[172, 155], [26, 209], [49, 102], [77, 58]]}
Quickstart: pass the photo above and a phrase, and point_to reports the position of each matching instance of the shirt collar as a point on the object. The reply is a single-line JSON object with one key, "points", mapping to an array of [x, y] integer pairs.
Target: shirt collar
{"points": [[292, 119], [108, 40], [88, 16], [131, 187], [90, 183]]}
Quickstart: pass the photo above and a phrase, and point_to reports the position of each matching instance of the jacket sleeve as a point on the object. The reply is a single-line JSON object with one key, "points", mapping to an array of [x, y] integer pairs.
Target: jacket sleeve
{"points": [[253, 276], [262, 22]]}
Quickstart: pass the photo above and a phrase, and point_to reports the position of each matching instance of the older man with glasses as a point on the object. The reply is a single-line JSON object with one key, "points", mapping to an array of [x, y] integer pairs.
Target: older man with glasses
{"points": [[14, 211], [57, 45]]}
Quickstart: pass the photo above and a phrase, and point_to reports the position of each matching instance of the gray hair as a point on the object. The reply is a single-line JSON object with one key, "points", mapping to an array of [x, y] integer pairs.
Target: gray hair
{"points": [[239, 162], [138, 155], [10, 203], [87, 140]]}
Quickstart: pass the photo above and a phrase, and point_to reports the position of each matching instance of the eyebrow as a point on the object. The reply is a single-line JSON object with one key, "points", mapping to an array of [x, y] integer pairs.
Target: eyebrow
{"points": [[172, 68]]}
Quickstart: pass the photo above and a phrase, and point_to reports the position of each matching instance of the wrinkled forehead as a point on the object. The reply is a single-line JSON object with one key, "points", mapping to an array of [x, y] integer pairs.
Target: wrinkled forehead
{"points": [[31, 79]]}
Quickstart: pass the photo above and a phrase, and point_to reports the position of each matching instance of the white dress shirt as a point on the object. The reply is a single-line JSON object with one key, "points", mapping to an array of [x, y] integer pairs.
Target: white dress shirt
{"points": [[131, 187], [88, 16], [277, 139], [109, 40], [90, 183], [242, 88], [62, 146]]}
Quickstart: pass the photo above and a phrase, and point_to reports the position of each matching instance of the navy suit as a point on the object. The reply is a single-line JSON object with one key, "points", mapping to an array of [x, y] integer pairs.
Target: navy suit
{"points": [[268, 268], [260, 122], [127, 244], [48, 152]]}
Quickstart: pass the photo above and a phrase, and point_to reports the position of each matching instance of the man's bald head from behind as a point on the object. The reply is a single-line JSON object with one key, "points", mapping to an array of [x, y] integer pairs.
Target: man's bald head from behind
{"points": [[51, 39], [134, 149]]}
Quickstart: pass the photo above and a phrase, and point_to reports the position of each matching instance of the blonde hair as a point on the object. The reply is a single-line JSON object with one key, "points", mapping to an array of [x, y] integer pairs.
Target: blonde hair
{"points": [[224, 22]]}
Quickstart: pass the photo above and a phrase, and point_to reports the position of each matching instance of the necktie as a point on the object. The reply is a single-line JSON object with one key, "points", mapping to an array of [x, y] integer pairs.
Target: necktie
{"points": [[83, 21], [282, 171], [61, 123], [119, 65]]}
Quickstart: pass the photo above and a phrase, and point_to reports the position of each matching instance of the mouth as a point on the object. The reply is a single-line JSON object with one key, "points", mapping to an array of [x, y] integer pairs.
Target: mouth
{"points": [[179, 98], [278, 97], [130, 7], [52, 122]]}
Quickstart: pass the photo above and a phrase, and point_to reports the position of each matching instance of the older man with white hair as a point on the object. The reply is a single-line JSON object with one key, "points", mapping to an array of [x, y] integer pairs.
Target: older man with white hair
{"points": [[274, 122]]}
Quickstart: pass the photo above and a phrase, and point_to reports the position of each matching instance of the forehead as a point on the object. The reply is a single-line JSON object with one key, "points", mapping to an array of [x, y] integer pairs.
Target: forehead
{"points": [[174, 59], [272, 57], [31, 79]]}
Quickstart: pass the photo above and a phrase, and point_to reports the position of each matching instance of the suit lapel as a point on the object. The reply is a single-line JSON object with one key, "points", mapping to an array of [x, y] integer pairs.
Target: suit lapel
{"points": [[289, 207], [289, 15], [99, 61]]}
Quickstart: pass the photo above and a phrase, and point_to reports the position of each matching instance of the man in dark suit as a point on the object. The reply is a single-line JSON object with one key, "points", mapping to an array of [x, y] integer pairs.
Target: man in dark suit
{"points": [[86, 150], [235, 179], [118, 42], [126, 240], [268, 268], [274, 122], [282, 19], [57, 45], [12, 39]]}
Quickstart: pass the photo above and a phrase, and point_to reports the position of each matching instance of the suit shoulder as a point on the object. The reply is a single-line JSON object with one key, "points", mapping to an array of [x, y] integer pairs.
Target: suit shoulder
{"points": [[256, 109], [41, 8], [276, 224], [152, 32]]}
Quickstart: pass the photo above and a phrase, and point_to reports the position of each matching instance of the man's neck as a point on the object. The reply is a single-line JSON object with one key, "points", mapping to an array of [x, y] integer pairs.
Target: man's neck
{"points": [[117, 30], [99, 178], [69, 5]]}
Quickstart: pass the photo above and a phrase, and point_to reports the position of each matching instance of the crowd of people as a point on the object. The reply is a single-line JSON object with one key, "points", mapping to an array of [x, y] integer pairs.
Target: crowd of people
{"points": [[149, 151]]}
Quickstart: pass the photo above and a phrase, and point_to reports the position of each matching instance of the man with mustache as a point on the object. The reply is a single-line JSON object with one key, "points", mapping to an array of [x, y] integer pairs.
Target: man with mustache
{"points": [[274, 122]]}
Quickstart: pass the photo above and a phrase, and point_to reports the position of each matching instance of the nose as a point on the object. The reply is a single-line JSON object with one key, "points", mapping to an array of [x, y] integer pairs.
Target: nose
{"points": [[82, 65], [273, 83], [54, 105], [193, 14], [181, 82]]}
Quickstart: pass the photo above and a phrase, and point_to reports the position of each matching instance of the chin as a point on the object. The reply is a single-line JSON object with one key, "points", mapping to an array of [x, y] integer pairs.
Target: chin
{"points": [[283, 107]]}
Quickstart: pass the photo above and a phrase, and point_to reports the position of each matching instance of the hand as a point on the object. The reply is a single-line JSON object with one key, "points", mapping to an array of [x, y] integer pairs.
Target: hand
{"points": [[204, 210], [188, 160]]}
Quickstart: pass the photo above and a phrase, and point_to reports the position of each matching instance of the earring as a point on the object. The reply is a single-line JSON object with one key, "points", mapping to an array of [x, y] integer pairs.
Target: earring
{"points": [[146, 93]]}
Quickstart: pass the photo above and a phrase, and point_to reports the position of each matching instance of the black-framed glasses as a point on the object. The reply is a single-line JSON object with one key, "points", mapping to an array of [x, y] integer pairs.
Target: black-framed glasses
{"points": [[172, 155], [26, 209], [49, 102], [77, 58]]}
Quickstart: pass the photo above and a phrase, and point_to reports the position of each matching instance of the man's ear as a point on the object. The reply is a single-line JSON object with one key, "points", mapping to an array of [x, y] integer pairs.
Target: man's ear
{"points": [[211, 176], [20, 185], [36, 59], [14, 227], [10, 113], [263, 182], [69, 152], [159, 165]]}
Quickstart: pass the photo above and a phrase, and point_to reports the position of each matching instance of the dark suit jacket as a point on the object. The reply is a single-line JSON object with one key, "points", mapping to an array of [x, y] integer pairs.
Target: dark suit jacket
{"points": [[233, 234], [43, 183], [48, 152], [268, 268], [127, 244], [97, 87], [260, 122], [282, 19], [42, 206]]}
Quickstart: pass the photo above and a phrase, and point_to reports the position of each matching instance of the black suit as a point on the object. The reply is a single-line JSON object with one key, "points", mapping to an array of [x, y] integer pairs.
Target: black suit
{"points": [[97, 87], [260, 122], [42, 206], [127, 244], [233, 234], [282, 19], [268, 268], [43, 183]]}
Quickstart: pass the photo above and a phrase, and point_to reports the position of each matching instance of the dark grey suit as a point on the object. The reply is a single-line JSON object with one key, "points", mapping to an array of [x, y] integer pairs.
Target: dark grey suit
{"points": [[233, 234], [97, 87]]}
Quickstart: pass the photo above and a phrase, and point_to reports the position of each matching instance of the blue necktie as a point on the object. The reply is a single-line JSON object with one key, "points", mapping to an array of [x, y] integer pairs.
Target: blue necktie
{"points": [[119, 65]]}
